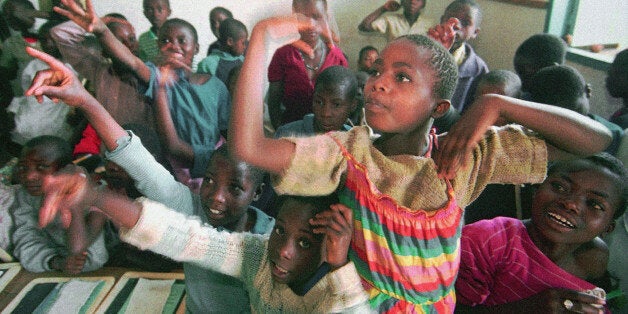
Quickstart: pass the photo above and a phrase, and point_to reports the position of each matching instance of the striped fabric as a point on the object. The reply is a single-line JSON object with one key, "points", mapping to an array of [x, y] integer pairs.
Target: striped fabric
{"points": [[407, 259]]}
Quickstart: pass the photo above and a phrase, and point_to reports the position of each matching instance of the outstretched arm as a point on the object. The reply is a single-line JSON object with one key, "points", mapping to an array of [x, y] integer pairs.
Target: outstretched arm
{"points": [[366, 24], [566, 132], [92, 23], [246, 134]]}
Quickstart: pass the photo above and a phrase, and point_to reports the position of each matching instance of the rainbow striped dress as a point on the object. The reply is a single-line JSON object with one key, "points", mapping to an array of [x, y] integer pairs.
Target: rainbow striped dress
{"points": [[407, 259]]}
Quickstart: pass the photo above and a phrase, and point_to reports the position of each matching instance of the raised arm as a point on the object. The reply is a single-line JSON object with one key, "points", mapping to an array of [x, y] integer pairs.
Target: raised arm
{"points": [[246, 134], [92, 23], [366, 24], [566, 132]]}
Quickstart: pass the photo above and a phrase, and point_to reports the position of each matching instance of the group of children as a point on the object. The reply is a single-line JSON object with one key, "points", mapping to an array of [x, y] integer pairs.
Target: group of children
{"points": [[369, 217]]}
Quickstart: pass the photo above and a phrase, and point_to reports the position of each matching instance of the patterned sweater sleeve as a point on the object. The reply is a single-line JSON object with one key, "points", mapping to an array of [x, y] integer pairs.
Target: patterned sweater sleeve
{"points": [[186, 239]]}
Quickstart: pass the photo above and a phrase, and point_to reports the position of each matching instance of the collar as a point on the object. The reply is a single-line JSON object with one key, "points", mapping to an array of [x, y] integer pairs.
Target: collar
{"points": [[460, 54]]}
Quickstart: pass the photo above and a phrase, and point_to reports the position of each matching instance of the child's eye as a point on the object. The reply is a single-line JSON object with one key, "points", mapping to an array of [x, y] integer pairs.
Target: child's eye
{"points": [[595, 205], [373, 72], [402, 77], [558, 187], [236, 190], [43, 167], [305, 244], [279, 230]]}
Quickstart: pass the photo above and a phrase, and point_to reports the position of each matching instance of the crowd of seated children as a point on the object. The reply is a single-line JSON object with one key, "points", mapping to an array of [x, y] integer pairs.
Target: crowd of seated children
{"points": [[334, 101], [72, 248], [156, 12], [390, 177], [564, 86], [199, 104], [292, 73], [393, 25], [216, 16], [31, 118], [555, 260], [229, 54], [537, 52], [617, 86]]}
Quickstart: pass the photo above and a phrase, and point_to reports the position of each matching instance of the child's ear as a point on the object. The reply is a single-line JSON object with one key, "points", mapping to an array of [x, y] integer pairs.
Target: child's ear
{"points": [[259, 191], [196, 48], [229, 41], [441, 108]]}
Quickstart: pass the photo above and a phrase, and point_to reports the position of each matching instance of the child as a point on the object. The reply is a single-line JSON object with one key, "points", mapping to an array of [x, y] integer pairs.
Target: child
{"points": [[34, 119], [156, 12], [470, 65], [283, 272], [617, 86], [292, 73], [199, 103], [392, 26], [335, 99], [228, 189], [502, 82], [230, 54], [216, 16], [366, 57], [549, 262], [52, 248], [535, 53], [564, 86], [397, 194]]}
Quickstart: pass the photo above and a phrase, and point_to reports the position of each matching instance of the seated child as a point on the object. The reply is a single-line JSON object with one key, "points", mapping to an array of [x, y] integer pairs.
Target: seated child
{"points": [[397, 193], [552, 261], [52, 248], [199, 103], [334, 100], [535, 53], [156, 12], [502, 82], [617, 86], [366, 57], [33, 119], [564, 86], [284, 272], [216, 16], [230, 54], [393, 25]]}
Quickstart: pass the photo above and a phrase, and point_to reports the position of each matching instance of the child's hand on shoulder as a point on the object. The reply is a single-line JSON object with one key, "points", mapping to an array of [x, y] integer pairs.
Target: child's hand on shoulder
{"points": [[58, 82], [445, 33], [391, 6], [86, 18], [337, 225]]}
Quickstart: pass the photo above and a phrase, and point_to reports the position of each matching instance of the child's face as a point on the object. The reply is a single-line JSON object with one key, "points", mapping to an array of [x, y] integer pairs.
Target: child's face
{"points": [[156, 11], [33, 166], [575, 204], [237, 46], [398, 96], [294, 250], [366, 62], [126, 35], [332, 106], [412, 6], [214, 21], [19, 16], [467, 17], [227, 191], [316, 11], [178, 41]]}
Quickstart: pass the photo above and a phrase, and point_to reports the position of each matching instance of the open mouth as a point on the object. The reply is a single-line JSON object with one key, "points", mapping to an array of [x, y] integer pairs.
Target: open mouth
{"points": [[278, 271], [561, 220]]}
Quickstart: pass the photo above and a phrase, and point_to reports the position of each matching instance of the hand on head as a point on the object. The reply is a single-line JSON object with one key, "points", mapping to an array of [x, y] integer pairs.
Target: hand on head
{"points": [[86, 18], [67, 192], [58, 82], [445, 33], [337, 226]]}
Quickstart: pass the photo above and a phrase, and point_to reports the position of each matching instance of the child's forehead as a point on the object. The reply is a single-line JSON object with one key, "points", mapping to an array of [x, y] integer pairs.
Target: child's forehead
{"points": [[176, 29], [163, 3]]}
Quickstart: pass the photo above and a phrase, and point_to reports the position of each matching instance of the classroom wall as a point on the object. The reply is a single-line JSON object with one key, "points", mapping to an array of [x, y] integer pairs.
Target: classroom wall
{"points": [[504, 27]]}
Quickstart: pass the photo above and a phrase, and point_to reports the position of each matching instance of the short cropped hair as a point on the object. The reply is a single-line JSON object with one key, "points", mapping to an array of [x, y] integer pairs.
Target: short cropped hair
{"points": [[366, 49], [510, 80], [543, 49], [320, 203], [472, 4], [222, 10], [560, 85], [180, 22], [167, 2], [338, 75], [257, 174], [230, 28], [441, 62], [60, 147], [607, 161]]}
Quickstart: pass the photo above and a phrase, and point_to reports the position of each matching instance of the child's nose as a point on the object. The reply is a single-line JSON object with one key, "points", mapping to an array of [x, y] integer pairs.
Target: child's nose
{"points": [[219, 195], [286, 251], [572, 203]]}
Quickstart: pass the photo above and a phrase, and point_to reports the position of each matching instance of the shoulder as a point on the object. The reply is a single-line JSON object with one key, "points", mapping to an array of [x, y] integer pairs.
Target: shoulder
{"points": [[592, 258], [262, 224], [486, 227], [474, 62]]}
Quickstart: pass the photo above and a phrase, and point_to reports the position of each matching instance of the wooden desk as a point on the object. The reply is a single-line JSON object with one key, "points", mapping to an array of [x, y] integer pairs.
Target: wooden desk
{"points": [[24, 277]]}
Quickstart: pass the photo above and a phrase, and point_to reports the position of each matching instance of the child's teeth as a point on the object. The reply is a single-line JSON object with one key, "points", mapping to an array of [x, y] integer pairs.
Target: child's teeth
{"points": [[215, 212]]}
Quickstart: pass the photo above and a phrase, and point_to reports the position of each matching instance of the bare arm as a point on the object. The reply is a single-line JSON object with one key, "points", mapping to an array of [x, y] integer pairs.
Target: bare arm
{"points": [[275, 95], [92, 23], [366, 24], [566, 132]]}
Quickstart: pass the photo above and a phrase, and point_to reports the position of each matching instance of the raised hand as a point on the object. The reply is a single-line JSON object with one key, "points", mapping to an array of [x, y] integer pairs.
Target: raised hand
{"points": [[445, 33], [58, 82], [391, 5], [86, 18], [284, 30], [337, 225]]}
